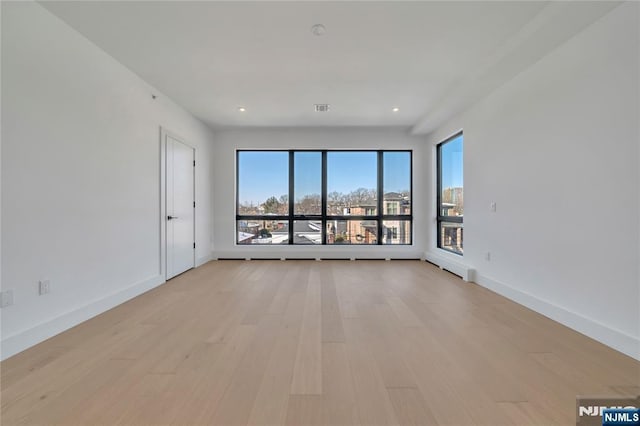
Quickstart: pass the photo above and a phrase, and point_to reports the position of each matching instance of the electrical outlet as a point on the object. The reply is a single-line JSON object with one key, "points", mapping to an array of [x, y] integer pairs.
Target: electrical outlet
{"points": [[6, 298], [487, 256], [44, 287], [493, 206]]}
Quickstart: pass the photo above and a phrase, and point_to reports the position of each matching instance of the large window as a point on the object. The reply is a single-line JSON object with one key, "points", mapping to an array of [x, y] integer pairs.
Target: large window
{"points": [[450, 201], [324, 197]]}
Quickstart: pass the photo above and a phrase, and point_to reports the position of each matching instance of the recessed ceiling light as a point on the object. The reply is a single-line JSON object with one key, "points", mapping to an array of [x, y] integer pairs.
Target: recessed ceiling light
{"points": [[242, 109], [318, 30], [395, 109]]}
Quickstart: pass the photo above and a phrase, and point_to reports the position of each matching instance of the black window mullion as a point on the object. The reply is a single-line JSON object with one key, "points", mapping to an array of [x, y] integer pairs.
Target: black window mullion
{"points": [[262, 217], [397, 217], [237, 186], [380, 194], [439, 194], [291, 190], [411, 191], [451, 219], [323, 198]]}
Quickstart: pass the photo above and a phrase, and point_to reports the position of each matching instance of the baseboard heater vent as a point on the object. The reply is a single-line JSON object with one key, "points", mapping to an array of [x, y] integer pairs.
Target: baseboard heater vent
{"points": [[463, 271]]}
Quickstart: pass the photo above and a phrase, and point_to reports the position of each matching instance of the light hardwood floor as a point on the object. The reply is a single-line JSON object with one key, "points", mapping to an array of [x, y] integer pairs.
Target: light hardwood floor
{"points": [[305, 342]]}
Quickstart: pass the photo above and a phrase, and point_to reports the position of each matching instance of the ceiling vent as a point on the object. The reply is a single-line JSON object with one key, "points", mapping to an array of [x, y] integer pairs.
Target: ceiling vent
{"points": [[321, 107]]}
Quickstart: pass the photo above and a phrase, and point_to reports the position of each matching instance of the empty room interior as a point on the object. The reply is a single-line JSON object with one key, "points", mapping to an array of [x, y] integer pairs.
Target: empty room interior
{"points": [[320, 212]]}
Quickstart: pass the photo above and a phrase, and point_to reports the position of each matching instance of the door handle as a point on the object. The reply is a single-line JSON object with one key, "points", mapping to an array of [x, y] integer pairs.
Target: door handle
{"points": [[171, 217]]}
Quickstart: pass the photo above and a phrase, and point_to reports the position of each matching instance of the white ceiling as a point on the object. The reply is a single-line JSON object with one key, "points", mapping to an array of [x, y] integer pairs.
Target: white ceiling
{"points": [[431, 59]]}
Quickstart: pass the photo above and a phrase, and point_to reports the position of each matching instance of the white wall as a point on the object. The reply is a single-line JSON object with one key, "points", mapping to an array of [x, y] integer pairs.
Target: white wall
{"points": [[557, 149], [223, 166], [80, 177]]}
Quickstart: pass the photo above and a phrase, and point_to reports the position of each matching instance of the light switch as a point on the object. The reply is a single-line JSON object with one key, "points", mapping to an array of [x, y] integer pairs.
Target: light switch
{"points": [[44, 287]]}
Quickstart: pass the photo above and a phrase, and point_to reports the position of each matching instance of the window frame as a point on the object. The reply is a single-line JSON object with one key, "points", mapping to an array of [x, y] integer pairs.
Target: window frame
{"points": [[439, 217], [323, 217]]}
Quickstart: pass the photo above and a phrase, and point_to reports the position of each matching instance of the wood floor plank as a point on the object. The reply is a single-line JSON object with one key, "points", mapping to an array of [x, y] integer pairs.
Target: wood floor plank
{"points": [[410, 407], [45, 384], [305, 343], [427, 358], [526, 413], [445, 403], [332, 330], [372, 398], [271, 281], [338, 397], [480, 362], [235, 406], [207, 387], [346, 292], [270, 406], [74, 397], [304, 410], [153, 404], [33, 361], [379, 333], [406, 317], [568, 373], [288, 285], [307, 373]]}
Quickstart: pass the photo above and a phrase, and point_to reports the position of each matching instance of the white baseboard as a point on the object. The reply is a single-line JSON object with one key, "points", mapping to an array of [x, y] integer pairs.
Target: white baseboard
{"points": [[20, 341], [458, 268], [204, 259], [618, 340]]}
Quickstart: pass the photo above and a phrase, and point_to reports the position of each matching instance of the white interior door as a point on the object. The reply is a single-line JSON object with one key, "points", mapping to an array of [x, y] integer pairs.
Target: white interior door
{"points": [[180, 207]]}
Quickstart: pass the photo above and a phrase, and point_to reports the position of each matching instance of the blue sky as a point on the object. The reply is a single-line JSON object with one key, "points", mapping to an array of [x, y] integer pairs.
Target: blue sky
{"points": [[263, 174], [348, 171], [397, 171], [308, 173], [452, 171]]}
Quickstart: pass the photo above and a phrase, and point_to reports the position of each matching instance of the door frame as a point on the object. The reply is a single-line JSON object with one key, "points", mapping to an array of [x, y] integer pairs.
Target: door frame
{"points": [[164, 133]]}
